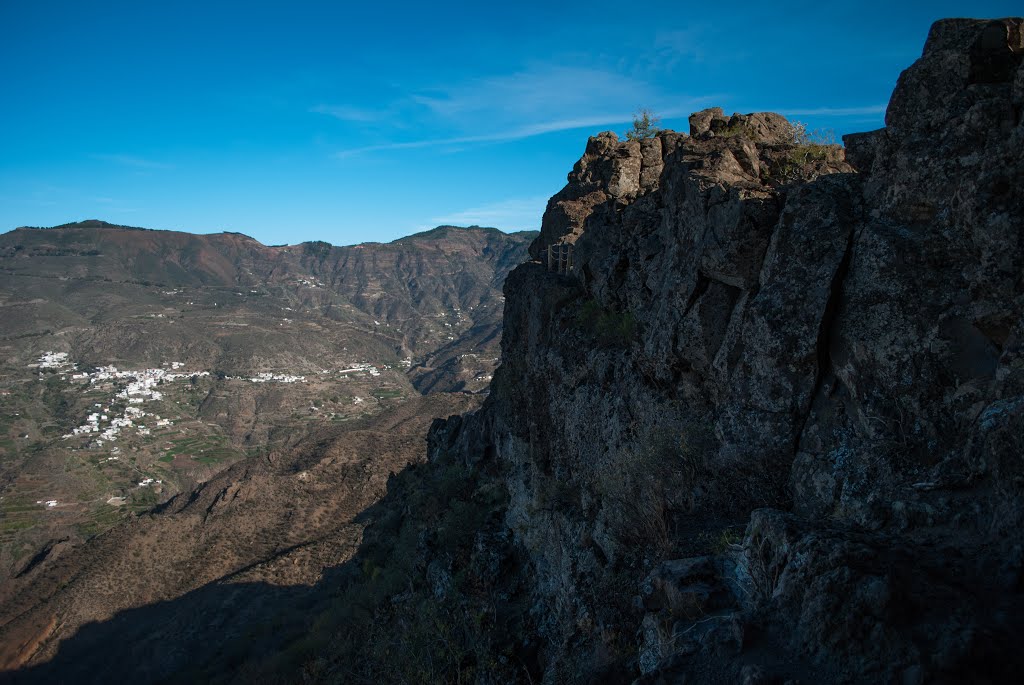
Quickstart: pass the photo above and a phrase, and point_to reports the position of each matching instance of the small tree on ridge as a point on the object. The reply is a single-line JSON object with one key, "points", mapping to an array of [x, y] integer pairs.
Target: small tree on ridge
{"points": [[645, 125]]}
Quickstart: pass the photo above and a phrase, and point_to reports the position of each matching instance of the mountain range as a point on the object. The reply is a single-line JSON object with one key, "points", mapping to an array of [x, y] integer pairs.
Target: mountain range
{"points": [[135, 364]]}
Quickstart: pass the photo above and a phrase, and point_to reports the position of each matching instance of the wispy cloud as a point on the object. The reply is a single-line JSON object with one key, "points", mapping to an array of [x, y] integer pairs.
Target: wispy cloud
{"points": [[114, 205], [536, 92], [496, 137], [672, 48], [510, 214], [348, 113], [526, 131], [833, 111], [133, 161], [533, 101]]}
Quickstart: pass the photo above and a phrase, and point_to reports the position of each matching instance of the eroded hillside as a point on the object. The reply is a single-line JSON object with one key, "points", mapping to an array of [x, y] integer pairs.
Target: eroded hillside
{"points": [[244, 556], [136, 364]]}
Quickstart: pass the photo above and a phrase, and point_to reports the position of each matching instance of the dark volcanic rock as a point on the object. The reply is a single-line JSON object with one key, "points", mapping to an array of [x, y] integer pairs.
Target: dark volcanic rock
{"points": [[754, 321]]}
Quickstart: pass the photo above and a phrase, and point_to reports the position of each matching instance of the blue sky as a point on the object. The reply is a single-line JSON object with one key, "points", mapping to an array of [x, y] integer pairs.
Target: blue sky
{"points": [[326, 121]]}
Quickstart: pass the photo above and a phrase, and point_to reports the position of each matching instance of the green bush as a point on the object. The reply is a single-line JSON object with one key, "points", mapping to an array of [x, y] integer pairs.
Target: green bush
{"points": [[645, 125], [807, 147]]}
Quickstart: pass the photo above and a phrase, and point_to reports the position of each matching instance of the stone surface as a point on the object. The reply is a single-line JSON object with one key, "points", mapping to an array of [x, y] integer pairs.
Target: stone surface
{"points": [[760, 330]]}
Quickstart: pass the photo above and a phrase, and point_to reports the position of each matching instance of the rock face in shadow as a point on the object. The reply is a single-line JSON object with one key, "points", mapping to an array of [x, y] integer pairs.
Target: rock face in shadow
{"points": [[802, 367]]}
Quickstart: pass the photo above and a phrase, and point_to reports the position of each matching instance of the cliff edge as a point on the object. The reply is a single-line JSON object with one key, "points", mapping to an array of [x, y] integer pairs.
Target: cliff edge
{"points": [[768, 425]]}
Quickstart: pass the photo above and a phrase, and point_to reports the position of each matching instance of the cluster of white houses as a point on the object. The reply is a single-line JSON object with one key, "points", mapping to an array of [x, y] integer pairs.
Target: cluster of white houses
{"points": [[141, 387], [53, 360], [267, 377], [361, 368]]}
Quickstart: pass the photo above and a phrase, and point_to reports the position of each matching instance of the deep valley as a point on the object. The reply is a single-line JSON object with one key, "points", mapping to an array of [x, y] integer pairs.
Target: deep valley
{"points": [[137, 364]]}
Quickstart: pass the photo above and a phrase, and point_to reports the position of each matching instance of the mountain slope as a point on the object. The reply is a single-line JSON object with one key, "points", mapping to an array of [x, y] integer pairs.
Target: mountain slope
{"points": [[266, 530], [248, 349], [412, 287]]}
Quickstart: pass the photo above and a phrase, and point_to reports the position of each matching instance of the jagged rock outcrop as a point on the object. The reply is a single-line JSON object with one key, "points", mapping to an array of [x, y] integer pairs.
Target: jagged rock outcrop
{"points": [[761, 333]]}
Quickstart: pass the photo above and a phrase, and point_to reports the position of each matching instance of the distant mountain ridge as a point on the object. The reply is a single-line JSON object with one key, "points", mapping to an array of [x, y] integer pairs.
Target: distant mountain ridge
{"points": [[87, 223], [430, 232], [398, 290]]}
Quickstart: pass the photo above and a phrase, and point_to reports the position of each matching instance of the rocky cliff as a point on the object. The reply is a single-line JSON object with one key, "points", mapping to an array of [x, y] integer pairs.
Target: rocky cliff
{"points": [[769, 427]]}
